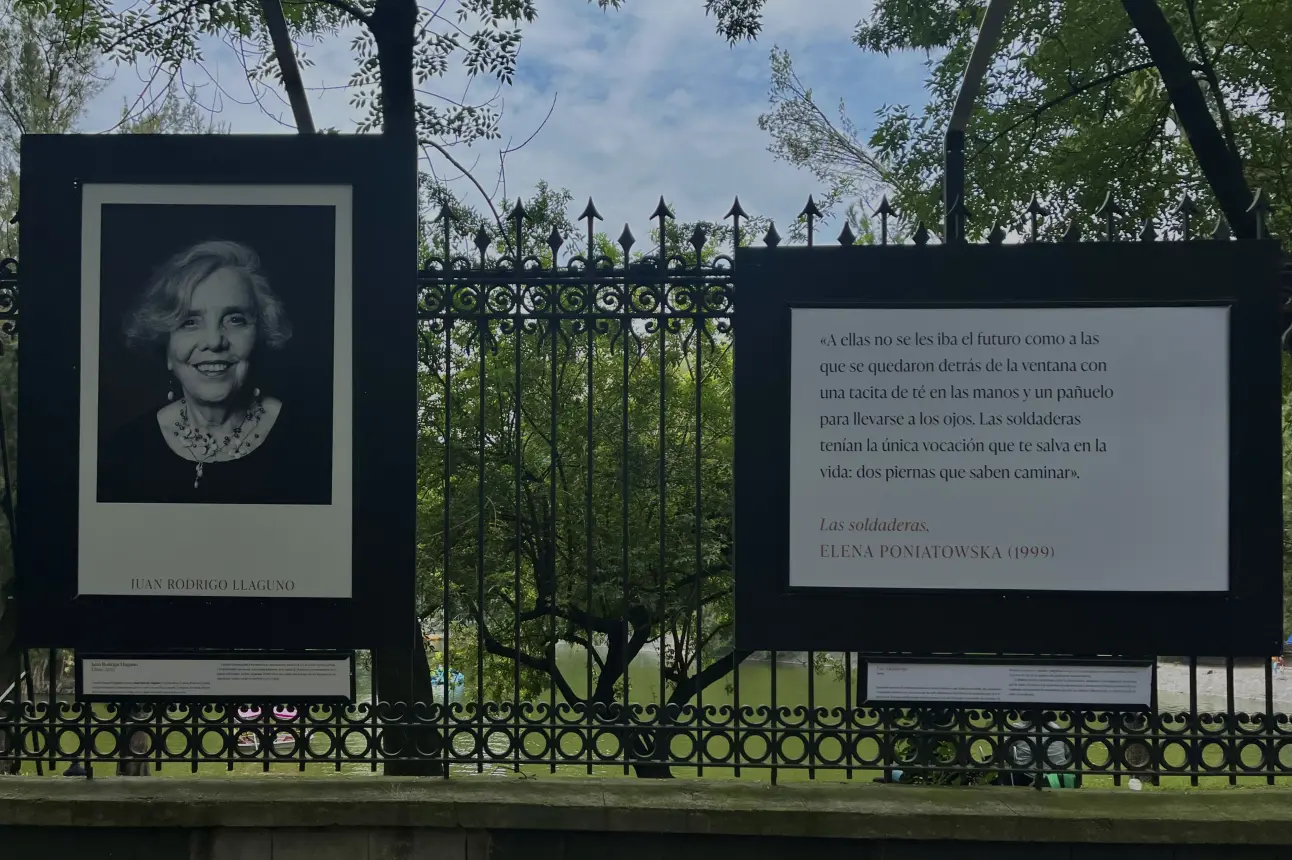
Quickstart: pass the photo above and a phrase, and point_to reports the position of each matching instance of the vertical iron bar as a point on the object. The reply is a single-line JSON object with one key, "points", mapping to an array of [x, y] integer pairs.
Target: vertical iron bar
{"points": [[1041, 757], [1268, 756], [1078, 743], [158, 712], [700, 717], [698, 331], [554, 331], [1231, 746], [1153, 739], [1195, 724], [55, 713], [811, 726], [482, 333], [849, 713], [773, 750], [661, 577], [447, 219], [447, 525], [591, 307], [1115, 720], [518, 473], [626, 334]]}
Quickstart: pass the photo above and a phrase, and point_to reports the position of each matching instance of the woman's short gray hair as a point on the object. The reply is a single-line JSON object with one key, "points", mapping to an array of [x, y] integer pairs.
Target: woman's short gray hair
{"points": [[166, 300]]}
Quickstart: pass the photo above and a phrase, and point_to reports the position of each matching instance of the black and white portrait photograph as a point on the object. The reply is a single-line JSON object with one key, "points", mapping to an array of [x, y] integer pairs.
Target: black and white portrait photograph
{"points": [[219, 391], [216, 391], [216, 354]]}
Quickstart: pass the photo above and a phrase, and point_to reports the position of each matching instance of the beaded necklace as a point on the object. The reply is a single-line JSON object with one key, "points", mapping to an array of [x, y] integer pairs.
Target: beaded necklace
{"points": [[207, 448]]}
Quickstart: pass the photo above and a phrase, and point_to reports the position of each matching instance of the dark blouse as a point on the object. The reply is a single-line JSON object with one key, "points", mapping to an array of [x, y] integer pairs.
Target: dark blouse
{"points": [[289, 468]]}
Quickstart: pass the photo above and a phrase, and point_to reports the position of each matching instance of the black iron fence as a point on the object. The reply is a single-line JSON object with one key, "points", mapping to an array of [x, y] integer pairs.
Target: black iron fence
{"points": [[575, 576]]}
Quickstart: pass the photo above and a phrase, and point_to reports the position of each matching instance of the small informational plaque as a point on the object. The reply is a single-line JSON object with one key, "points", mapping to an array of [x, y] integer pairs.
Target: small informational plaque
{"points": [[1114, 685], [324, 677]]}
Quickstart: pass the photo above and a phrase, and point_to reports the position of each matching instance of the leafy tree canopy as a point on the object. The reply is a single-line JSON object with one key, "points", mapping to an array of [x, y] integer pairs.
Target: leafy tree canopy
{"points": [[1072, 107]]}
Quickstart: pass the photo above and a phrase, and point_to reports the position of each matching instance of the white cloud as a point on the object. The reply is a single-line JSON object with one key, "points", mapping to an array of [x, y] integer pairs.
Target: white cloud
{"points": [[649, 101]]}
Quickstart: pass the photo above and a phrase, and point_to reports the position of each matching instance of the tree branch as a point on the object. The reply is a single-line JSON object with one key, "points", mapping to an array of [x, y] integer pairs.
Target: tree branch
{"points": [[576, 639], [442, 150], [543, 664], [700, 681], [350, 9], [502, 155], [169, 16], [1073, 93]]}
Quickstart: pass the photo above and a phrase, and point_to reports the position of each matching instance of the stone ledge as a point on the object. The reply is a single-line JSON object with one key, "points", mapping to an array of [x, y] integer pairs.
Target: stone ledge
{"points": [[673, 806]]}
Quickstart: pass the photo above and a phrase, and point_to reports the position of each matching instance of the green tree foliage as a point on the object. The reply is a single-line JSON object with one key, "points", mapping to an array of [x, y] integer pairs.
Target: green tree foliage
{"points": [[804, 135], [1071, 108], [597, 445], [575, 479], [47, 77]]}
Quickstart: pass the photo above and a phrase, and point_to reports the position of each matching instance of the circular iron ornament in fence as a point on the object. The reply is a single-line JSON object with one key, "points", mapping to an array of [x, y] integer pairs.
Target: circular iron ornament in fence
{"points": [[1174, 756], [606, 746], [211, 742], [1257, 763], [792, 748], [716, 748], [324, 744], [575, 751], [872, 759], [1136, 755], [507, 745], [1208, 763], [366, 747], [756, 748], [467, 742], [829, 750]]}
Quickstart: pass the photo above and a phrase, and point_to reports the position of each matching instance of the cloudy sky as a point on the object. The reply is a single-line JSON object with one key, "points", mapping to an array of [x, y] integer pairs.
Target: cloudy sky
{"points": [[649, 100]]}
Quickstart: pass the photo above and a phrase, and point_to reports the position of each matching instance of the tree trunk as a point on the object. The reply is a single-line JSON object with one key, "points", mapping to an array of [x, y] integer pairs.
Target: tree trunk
{"points": [[286, 56], [393, 24], [1222, 167], [404, 676]]}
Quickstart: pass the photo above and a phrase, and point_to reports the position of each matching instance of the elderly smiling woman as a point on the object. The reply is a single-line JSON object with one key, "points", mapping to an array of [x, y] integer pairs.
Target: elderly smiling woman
{"points": [[210, 316]]}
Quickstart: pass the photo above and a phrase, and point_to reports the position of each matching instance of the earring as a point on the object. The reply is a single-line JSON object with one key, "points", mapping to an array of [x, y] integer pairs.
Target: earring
{"points": [[170, 392], [255, 392]]}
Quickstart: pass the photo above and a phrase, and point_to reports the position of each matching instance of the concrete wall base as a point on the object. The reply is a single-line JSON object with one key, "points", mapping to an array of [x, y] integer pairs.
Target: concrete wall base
{"points": [[277, 818]]}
